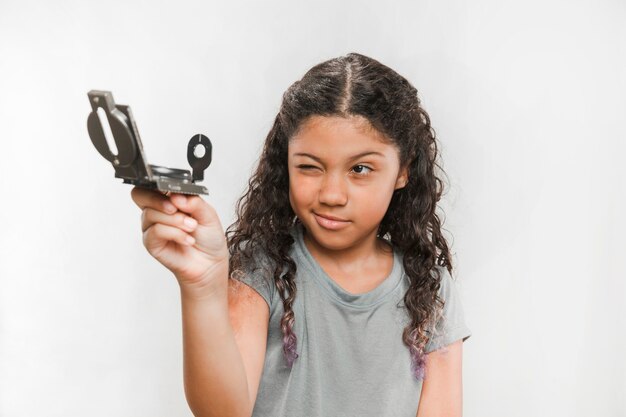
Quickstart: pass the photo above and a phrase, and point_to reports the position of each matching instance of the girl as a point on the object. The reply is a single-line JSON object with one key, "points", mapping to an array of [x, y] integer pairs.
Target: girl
{"points": [[331, 295]]}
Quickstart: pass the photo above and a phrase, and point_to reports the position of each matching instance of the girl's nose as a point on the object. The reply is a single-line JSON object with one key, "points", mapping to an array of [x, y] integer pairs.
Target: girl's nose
{"points": [[333, 191]]}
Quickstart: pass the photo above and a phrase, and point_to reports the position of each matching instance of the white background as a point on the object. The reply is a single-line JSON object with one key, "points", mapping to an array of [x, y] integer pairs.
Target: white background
{"points": [[527, 99]]}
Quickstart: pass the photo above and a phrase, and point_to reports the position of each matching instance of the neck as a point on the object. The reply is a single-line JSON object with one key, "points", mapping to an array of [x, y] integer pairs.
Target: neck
{"points": [[368, 248]]}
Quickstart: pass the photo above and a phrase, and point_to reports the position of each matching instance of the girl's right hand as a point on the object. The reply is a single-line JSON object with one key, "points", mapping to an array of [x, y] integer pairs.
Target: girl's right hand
{"points": [[200, 264]]}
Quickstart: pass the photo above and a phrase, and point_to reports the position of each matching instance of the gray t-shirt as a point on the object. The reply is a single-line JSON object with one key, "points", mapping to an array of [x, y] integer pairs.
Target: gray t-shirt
{"points": [[352, 361]]}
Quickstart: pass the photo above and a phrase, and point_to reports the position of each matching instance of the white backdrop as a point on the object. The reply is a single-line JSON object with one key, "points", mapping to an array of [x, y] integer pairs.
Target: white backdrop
{"points": [[528, 102]]}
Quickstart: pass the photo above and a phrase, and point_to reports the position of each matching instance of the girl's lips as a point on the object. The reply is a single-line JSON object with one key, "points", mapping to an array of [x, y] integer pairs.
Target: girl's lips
{"points": [[330, 224]]}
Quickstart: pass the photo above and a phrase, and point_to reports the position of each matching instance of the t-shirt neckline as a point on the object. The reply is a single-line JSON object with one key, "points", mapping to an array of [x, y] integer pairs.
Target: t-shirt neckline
{"points": [[367, 299]]}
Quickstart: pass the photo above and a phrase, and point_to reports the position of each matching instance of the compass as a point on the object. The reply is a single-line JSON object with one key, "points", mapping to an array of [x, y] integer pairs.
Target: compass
{"points": [[129, 160]]}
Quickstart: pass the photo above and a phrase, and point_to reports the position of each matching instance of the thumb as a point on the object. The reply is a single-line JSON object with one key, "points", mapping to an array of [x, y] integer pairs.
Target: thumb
{"points": [[196, 207]]}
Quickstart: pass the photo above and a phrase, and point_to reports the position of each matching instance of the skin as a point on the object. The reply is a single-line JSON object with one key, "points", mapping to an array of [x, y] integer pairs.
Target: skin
{"points": [[442, 389], [330, 180]]}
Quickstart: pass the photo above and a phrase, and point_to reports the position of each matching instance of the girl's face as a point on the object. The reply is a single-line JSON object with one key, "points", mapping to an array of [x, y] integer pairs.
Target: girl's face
{"points": [[341, 167]]}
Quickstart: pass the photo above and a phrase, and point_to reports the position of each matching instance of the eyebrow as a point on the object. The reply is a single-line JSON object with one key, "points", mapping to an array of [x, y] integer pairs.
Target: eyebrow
{"points": [[362, 154]]}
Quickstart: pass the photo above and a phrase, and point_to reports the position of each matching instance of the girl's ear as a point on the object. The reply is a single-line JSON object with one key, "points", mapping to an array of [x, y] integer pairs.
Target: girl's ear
{"points": [[403, 178]]}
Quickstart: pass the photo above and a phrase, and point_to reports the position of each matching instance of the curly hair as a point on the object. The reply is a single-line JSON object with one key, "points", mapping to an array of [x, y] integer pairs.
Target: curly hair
{"points": [[352, 85]]}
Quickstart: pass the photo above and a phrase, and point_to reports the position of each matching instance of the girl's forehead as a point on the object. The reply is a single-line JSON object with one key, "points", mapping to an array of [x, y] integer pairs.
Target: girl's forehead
{"points": [[352, 131], [318, 121]]}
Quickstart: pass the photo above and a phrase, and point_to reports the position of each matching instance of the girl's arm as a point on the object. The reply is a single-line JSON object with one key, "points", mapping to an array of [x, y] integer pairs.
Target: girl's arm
{"points": [[214, 374], [442, 389]]}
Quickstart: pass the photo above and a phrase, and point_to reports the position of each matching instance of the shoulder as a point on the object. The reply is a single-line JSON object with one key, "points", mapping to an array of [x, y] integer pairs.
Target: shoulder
{"points": [[446, 282], [253, 269], [449, 325]]}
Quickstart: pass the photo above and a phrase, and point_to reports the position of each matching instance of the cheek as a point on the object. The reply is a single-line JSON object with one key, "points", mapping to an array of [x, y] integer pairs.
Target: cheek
{"points": [[300, 194], [369, 207]]}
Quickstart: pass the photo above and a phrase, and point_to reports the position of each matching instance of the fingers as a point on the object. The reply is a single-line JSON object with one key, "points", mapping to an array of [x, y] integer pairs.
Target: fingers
{"points": [[196, 207], [144, 197], [158, 233], [192, 205], [150, 216]]}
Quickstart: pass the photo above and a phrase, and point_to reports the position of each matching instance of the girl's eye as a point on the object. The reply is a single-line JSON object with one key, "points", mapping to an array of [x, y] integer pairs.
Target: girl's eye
{"points": [[361, 172], [358, 167], [306, 166]]}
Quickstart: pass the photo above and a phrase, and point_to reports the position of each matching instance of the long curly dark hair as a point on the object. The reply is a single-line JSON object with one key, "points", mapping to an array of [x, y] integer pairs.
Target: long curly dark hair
{"points": [[352, 85]]}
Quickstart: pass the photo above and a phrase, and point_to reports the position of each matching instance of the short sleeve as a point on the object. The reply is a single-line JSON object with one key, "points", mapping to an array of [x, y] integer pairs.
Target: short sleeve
{"points": [[451, 325], [259, 284], [258, 275]]}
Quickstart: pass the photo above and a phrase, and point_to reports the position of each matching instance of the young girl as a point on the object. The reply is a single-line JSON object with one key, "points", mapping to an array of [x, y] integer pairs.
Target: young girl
{"points": [[348, 306]]}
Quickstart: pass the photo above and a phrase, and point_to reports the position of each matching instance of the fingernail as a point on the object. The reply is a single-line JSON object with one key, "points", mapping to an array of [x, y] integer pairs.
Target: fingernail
{"points": [[169, 207], [190, 222], [190, 240]]}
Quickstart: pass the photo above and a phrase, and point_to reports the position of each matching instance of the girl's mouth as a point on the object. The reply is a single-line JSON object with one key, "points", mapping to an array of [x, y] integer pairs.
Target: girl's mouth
{"points": [[330, 224]]}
